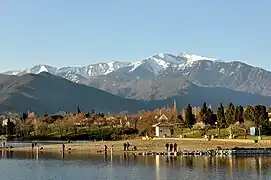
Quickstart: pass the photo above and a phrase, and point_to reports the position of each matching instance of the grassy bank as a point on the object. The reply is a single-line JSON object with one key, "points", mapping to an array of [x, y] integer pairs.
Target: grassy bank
{"points": [[84, 133], [109, 133]]}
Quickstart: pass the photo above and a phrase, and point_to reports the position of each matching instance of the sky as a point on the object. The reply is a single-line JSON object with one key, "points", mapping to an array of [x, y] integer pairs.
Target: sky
{"points": [[82, 32]]}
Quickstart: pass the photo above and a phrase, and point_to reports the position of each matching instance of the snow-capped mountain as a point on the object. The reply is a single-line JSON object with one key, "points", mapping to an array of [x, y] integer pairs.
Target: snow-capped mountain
{"points": [[14, 72], [156, 64], [38, 69], [200, 70], [75, 74]]}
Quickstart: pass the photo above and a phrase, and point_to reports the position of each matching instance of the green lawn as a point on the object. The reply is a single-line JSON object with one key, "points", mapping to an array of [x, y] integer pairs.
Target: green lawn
{"points": [[223, 133]]}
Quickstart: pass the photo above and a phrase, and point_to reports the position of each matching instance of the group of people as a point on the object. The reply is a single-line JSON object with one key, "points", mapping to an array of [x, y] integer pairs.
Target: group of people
{"points": [[34, 144], [171, 147], [127, 145]]}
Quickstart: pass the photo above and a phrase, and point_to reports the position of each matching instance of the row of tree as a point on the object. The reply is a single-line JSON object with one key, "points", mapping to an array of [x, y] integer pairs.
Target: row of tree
{"points": [[223, 118]]}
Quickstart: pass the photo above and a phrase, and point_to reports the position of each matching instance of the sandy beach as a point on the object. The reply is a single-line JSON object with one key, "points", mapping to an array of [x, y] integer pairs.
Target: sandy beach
{"points": [[157, 145]]}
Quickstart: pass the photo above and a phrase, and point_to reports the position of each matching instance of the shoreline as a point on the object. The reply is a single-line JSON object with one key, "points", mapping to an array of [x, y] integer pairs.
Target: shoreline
{"points": [[153, 145]]}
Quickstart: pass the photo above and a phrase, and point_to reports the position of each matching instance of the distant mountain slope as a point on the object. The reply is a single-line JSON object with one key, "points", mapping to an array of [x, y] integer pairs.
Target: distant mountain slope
{"points": [[47, 93], [164, 90], [158, 89], [200, 70]]}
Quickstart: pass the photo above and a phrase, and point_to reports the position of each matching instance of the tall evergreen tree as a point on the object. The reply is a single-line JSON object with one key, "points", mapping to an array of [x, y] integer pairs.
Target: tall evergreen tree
{"points": [[211, 119], [78, 110], [24, 116], [249, 113], [190, 119], [203, 114], [10, 128], [221, 120], [238, 114], [260, 115], [229, 115]]}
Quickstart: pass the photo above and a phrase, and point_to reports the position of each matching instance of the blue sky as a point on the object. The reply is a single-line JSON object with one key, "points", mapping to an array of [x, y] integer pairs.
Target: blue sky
{"points": [[68, 32]]}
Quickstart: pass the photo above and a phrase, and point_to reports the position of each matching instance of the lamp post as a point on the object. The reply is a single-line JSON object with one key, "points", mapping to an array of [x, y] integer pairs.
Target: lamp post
{"points": [[216, 127], [259, 136]]}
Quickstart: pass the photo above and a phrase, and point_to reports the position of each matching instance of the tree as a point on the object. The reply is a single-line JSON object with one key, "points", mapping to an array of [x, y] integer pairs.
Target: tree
{"points": [[182, 115], [10, 128], [42, 128], [78, 110], [196, 112], [25, 127], [189, 117], [260, 115], [1, 129], [249, 113], [211, 117], [229, 115], [221, 120], [24, 116], [202, 127], [203, 115], [238, 114], [88, 115]]}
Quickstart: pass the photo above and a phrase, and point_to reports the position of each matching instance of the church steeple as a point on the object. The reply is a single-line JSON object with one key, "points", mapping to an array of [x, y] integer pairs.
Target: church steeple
{"points": [[175, 110]]}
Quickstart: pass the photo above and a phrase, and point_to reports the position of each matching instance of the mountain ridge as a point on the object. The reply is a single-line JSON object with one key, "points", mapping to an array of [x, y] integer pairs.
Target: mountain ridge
{"points": [[47, 93], [47, 68], [200, 70]]}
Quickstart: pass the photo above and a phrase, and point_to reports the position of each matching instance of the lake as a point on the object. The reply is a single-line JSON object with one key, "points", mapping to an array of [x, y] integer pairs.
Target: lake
{"points": [[26, 166]]}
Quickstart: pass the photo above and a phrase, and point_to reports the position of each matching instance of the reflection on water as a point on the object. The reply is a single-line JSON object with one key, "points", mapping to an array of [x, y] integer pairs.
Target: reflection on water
{"points": [[32, 166]]}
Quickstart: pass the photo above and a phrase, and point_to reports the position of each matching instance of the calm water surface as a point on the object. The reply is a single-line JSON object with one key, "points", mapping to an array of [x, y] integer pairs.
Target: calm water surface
{"points": [[17, 166]]}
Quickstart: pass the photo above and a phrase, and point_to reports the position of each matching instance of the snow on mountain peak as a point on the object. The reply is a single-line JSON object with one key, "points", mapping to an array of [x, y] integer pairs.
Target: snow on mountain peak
{"points": [[162, 61], [193, 57], [154, 64], [168, 58], [42, 69], [113, 65]]}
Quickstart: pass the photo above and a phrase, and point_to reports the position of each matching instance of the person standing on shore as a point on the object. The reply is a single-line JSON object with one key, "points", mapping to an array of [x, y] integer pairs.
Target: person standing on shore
{"points": [[167, 145], [170, 147], [175, 147], [63, 147], [105, 148], [128, 145], [124, 145]]}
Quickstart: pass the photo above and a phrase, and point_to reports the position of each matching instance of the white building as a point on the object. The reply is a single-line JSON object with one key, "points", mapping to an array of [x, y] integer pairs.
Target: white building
{"points": [[163, 129]]}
